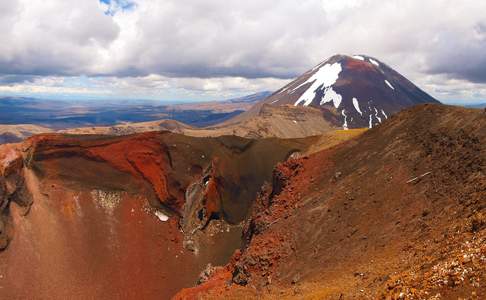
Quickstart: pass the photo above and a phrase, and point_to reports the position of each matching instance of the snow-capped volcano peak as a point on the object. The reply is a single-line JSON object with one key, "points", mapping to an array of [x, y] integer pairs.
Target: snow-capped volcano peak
{"points": [[357, 90]]}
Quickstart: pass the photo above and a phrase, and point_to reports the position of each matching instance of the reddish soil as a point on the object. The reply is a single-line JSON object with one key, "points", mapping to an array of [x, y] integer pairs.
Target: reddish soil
{"points": [[398, 213], [359, 65], [71, 247]]}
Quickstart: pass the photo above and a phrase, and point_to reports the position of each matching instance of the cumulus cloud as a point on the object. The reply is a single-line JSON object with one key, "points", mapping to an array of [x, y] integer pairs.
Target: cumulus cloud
{"points": [[215, 46], [53, 37], [461, 55]]}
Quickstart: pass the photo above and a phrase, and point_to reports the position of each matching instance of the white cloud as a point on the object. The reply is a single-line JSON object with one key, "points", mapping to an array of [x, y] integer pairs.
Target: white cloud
{"points": [[53, 37], [49, 85], [213, 46]]}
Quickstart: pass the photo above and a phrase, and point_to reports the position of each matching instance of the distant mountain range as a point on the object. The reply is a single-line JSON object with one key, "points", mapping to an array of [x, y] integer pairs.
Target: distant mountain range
{"points": [[23, 117], [62, 114], [480, 105]]}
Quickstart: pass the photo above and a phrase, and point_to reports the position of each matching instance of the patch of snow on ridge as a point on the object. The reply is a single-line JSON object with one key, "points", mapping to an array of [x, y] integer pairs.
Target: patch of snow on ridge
{"points": [[374, 62], [358, 57], [331, 95], [389, 84], [162, 217], [376, 115], [345, 125], [356, 106], [371, 122], [326, 76], [383, 112]]}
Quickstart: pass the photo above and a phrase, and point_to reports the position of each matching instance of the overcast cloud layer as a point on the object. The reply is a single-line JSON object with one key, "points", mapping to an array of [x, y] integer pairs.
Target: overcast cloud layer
{"points": [[174, 49]]}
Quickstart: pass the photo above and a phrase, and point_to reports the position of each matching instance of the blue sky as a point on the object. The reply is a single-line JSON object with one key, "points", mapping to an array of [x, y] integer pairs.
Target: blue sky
{"points": [[116, 5], [203, 50]]}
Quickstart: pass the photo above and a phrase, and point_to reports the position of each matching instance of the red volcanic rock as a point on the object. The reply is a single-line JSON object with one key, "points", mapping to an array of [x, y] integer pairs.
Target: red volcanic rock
{"points": [[12, 188], [360, 65], [216, 285], [283, 173], [212, 193], [10, 159], [145, 158]]}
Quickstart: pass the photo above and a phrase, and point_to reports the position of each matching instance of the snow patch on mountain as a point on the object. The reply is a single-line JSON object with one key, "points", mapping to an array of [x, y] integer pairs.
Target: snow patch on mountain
{"points": [[389, 84], [323, 78], [374, 62], [345, 125], [331, 96], [358, 57], [376, 115], [281, 91], [383, 112], [356, 106], [162, 217]]}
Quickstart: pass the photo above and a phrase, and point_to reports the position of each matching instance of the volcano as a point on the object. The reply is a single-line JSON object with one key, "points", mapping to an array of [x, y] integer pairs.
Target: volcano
{"points": [[351, 91]]}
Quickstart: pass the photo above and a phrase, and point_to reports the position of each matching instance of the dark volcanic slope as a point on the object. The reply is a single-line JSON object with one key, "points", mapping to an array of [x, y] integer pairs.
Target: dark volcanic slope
{"points": [[353, 91], [97, 217], [398, 213]]}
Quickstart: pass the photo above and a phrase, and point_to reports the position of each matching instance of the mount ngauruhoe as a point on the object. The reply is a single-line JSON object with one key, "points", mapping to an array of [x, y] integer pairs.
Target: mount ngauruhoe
{"points": [[351, 92]]}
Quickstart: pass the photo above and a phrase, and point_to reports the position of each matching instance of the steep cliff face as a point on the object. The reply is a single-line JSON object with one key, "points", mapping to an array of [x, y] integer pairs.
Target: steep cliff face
{"points": [[397, 213], [133, 216]]}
